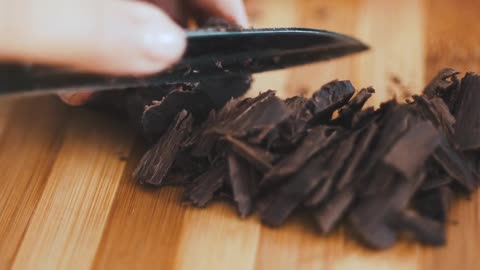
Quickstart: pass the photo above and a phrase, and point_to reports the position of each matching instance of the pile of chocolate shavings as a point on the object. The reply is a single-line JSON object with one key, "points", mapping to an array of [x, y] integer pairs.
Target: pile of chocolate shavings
{"points": [[382, 172]]}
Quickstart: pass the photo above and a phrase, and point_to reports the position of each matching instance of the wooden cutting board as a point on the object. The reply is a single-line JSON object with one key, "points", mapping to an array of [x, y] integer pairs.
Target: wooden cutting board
{"points": [[68, 201]]}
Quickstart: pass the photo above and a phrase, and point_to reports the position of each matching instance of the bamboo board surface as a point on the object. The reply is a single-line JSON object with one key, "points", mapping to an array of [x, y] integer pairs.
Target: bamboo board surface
{"points": [[68, 201]]}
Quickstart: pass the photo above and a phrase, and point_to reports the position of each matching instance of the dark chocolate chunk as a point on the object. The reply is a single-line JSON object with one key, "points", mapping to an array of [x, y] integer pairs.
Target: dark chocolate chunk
{"points": [[316, 140], [448, 157], [130, 103], [156, 163], [373, 218], [284, 137], [205, 142], [352, 165], [189, 164], [158, 116], [434, 203], [337, 163], [250, 116], [409, 153], [244, 182], [320, 193], [265, 114], [202, 189], [394, 122], [259, 158], [363, 118], [436, 111], [355, 105], [221, 90], [299, 106], [368, 221], [177, 178], [443, 85], [436, 176], [467, 127], [454, 165], [197, 132], [472, 159], [292, 193], [424, 229], [330, 97], [328, 215], [287, 134]]}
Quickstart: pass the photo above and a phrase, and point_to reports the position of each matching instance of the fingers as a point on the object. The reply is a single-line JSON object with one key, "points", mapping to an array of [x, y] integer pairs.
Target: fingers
{"points": [[110, 36], [76, 98], [232, 10], [174, 8]]}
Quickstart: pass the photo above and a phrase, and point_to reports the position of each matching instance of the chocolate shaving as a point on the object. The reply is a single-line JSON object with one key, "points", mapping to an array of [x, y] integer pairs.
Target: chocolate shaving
{"points": [[158, 116], [350, 110], [336, 166], [352, 166], [202, 189], [434, 203], [436, 176], [317, 139], [155, 164], [467, 127], [330, 97], [260, 158], [291, 194], [264, 114], [329, 214], [299, 106], [443, 85], [244, 182], [410, 152], [424, 229], [374, 218]]}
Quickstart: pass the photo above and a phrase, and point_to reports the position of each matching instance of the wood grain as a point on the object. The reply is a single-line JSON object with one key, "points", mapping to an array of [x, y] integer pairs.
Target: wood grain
{"points": [[69, 219], [5, 107], [452, 31], [68, 201], [395, 30], [227, 237], [144, 227], [28, 147]]}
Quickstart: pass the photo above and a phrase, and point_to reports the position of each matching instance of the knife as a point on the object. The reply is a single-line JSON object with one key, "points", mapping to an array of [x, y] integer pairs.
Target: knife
{"points": [[209, 55]]}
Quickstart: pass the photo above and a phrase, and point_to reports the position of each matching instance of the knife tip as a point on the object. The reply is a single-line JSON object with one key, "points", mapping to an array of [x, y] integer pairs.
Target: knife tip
{"points": [[362, 47]]}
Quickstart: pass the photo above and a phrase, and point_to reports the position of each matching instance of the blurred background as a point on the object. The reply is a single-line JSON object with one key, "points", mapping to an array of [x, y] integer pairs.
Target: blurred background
{"points": [[410, 40]]}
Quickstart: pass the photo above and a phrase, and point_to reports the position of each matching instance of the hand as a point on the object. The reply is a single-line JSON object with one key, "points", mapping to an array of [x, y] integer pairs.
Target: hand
{"points": [[119, 37]]}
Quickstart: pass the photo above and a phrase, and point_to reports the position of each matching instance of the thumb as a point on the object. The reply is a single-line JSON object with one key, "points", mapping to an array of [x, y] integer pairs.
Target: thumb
{"points": [[108, 36]]}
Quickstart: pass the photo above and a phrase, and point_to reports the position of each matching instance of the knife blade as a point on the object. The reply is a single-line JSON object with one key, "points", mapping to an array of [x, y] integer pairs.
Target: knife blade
{"points": [[209, 54]]}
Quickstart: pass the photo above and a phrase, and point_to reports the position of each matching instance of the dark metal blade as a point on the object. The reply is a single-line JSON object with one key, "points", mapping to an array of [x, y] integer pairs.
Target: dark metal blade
{"points": [[209, 54], [259, 50]]}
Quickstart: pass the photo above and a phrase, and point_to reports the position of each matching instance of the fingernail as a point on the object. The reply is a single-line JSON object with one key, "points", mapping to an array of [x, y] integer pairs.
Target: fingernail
{"points": [[163, 42], [243, 20], [241, 15]]}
